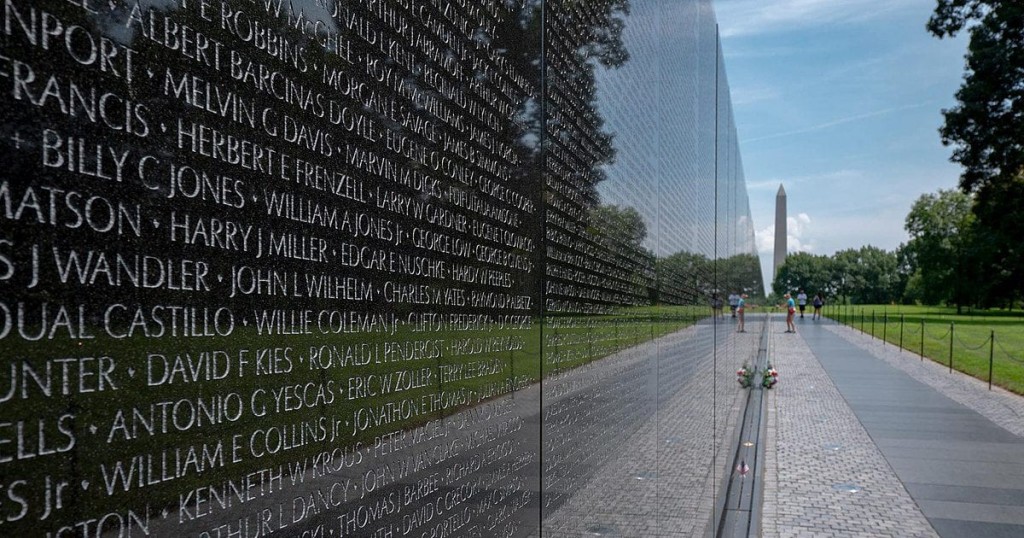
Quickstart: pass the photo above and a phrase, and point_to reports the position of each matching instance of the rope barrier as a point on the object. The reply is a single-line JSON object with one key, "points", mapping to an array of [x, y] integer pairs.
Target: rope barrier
{"points": [[1007, 353], [910, 330], [1015, 359], [969, 348], [941, 338]]}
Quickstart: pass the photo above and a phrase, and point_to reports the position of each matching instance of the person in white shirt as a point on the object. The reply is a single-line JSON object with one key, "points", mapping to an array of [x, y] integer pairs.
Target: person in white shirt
{"points": [[801, 301]]}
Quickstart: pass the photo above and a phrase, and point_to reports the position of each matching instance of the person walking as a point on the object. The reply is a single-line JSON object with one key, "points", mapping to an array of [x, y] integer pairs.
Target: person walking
{"points": [[741, 305], [801, 301], [819, 302], [790, 313], [734, 299], [716, 306]]}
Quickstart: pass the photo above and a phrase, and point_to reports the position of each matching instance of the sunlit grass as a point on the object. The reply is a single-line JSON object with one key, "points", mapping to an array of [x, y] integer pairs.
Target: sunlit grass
{"points": [[974, 337]]}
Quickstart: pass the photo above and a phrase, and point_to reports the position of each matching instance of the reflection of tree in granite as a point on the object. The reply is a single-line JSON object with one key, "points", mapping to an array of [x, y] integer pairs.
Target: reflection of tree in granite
{"points": [[622, 225], [599, 38], [684, 278], [689, 278], [579, 39], [578, 36], [741, 273], [622, 231]]}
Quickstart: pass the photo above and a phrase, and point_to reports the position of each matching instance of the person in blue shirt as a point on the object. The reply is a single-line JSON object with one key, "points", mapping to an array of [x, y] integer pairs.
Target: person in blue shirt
{"points": [[790, 313]]}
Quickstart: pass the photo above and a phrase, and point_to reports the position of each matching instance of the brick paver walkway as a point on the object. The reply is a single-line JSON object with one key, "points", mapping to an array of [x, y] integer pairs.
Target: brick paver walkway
{"points": [[865, 440], [823, 474]]}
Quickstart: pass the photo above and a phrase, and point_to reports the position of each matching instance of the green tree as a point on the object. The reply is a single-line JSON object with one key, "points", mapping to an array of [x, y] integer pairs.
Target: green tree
{"points": [[621, 232], [866, 275], [941, 228], [879, 269], [907, 286], [622, 225], [806, 271], [987, 124], [997, 252], [986, 129]]}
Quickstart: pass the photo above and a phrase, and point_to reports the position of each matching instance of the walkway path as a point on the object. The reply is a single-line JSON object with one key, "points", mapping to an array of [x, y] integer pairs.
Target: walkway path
{"points": [[866, 441]]}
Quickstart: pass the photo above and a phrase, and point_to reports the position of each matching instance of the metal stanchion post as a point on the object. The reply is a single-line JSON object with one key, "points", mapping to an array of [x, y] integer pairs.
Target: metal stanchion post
{"points": [[991, 351], [951, 347], [885, 327], [922, 339], [901, 333]]}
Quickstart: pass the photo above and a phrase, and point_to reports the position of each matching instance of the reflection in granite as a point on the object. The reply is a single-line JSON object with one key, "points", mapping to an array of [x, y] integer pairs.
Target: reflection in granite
{"points": [[357, 268]]}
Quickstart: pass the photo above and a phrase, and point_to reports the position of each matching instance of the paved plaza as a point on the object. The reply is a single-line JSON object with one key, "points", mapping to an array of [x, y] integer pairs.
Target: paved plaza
{"points": [[865, 440]]}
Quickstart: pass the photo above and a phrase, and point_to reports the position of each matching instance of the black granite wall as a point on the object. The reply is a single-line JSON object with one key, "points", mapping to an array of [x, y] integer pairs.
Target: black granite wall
{"points": [[360, 268]]}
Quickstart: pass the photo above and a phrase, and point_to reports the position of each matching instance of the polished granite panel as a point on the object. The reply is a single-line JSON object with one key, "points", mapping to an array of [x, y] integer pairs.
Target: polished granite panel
{"points": [[987, 495], [959, 528], [362, 268]]}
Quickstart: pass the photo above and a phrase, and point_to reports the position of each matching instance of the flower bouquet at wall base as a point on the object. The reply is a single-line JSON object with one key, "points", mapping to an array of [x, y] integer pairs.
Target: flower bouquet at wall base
{"points": [[745, 376], [770, 377]]}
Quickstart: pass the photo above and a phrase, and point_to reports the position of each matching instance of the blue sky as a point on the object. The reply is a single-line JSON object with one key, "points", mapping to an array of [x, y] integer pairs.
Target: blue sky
{"points": [[840, 101]]}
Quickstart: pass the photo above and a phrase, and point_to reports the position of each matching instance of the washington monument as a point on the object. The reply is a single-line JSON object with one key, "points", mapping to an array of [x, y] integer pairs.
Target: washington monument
{"points": [[781, 243]]}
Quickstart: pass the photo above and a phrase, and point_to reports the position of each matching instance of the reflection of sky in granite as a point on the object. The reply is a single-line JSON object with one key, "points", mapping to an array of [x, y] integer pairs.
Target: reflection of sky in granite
{"points": [[659, 107]]}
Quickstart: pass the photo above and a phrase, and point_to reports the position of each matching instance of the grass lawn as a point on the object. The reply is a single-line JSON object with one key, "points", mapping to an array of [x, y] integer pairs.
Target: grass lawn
{"points": [[970, 332]]}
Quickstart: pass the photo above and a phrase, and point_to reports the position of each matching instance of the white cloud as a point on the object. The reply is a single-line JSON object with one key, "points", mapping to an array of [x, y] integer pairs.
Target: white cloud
{"points": [[840, 121], [796, 233], [765, 238], [759, 52], [749, 96], [748, 17], [798, 236]]}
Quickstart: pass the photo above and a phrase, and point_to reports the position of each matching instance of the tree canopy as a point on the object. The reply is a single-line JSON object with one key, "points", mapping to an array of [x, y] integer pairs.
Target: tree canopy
{"points": [[802, 270], [986, 127], [941, 228], [986, 130], [864, 275]]}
